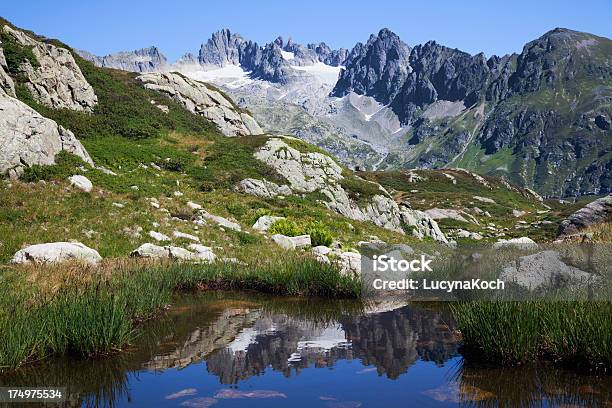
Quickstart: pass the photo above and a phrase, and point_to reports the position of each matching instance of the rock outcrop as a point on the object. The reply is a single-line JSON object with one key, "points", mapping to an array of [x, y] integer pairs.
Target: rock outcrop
{"points": [[205, 100], [143, 60], [313, 171], [56, 80], [27, 138], [263, 188], [596, 212], [544, 270], [57, 252]]}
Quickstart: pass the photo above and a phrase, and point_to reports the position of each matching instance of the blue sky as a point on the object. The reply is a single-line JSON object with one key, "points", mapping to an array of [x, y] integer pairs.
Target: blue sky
{"points": [[177, 27]]}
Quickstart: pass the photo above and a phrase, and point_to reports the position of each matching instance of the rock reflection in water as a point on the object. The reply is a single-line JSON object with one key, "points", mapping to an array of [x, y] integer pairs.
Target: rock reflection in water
{"points": [[243, 338], [391, 341]]}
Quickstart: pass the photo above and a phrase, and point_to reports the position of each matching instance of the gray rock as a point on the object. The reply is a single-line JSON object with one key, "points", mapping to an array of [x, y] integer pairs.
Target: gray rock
{"points": [[519, 243], [350, 264], [220, 221], [58, 81], [202, 99], [596, 212], [285, 242], [264, 222], [263, 188], [27, 138], [150, 251], [142, 60], [178, 234], [544, 269], [57, 252], [81, 182], [158, 236], [198, 253]]}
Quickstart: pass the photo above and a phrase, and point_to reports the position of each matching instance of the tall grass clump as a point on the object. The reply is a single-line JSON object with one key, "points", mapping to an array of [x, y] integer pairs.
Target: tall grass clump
{"points": [[577, 333], [96, 310]]}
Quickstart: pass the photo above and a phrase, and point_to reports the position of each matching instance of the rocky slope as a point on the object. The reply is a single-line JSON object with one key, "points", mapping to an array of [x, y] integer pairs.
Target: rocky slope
{"points": [[204, 100], [53, 78], [142, 60], [50, 74]]}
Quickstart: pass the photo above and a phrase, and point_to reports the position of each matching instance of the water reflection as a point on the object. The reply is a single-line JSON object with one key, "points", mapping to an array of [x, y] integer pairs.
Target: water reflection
{"points": [[233, 343]]}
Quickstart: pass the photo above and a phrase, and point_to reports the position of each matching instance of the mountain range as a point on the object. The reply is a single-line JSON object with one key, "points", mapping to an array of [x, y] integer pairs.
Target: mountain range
{"points": [[539, 118]]}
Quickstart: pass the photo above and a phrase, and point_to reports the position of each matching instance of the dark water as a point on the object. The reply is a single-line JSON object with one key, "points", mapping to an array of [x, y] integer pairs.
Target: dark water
{"points": [[233, 350]]}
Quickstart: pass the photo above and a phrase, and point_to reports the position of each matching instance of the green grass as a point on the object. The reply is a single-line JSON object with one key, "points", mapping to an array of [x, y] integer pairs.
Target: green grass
{"points": [[94, 312], [573, 333]]}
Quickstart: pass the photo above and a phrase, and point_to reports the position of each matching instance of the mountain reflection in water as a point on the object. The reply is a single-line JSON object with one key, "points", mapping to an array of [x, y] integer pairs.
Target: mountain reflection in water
{"points": [[223, 348]]}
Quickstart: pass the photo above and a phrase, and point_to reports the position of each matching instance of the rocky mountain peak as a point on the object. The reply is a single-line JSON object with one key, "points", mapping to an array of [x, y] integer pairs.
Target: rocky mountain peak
{"points": [[142, 60], [378, 69]]}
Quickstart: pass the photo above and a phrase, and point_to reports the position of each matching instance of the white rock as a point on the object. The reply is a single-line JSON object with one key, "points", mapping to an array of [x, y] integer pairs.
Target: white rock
{"points": [[518, 213], [159, 236], [484, 199], [81, 182], [178, 194], [264, 222], [301, 241], [202, 253], [222, 222], [178, 234], [283, 241], [118, 205], [193, 205], [520, 243], [150, 251], [57, 252], [544, 269], [350, 264]]}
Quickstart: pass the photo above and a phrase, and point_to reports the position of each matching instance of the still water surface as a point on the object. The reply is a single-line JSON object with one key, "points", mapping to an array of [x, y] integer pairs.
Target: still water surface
{"points": [[227, 350]]}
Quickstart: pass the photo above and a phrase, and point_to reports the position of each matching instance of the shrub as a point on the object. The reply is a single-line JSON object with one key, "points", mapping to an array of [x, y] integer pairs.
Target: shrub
{"points": [[65, 165], [319, 234], [286, 227]]}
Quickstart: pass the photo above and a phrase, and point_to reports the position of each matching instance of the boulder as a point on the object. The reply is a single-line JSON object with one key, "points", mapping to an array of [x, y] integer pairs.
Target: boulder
{"points": [[264, 222], [178, 234], [442, 213], [57, 81], [424, 225], [300, 241], [193, 205], [57, 252], [203, 99], [27, 138], [220, 221], [150, 251], [596, 212], [202, 253], [484, 199], [196, 253], [81, 182], [519, 243], [544, 269], [159, 236], [350, 264]]}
